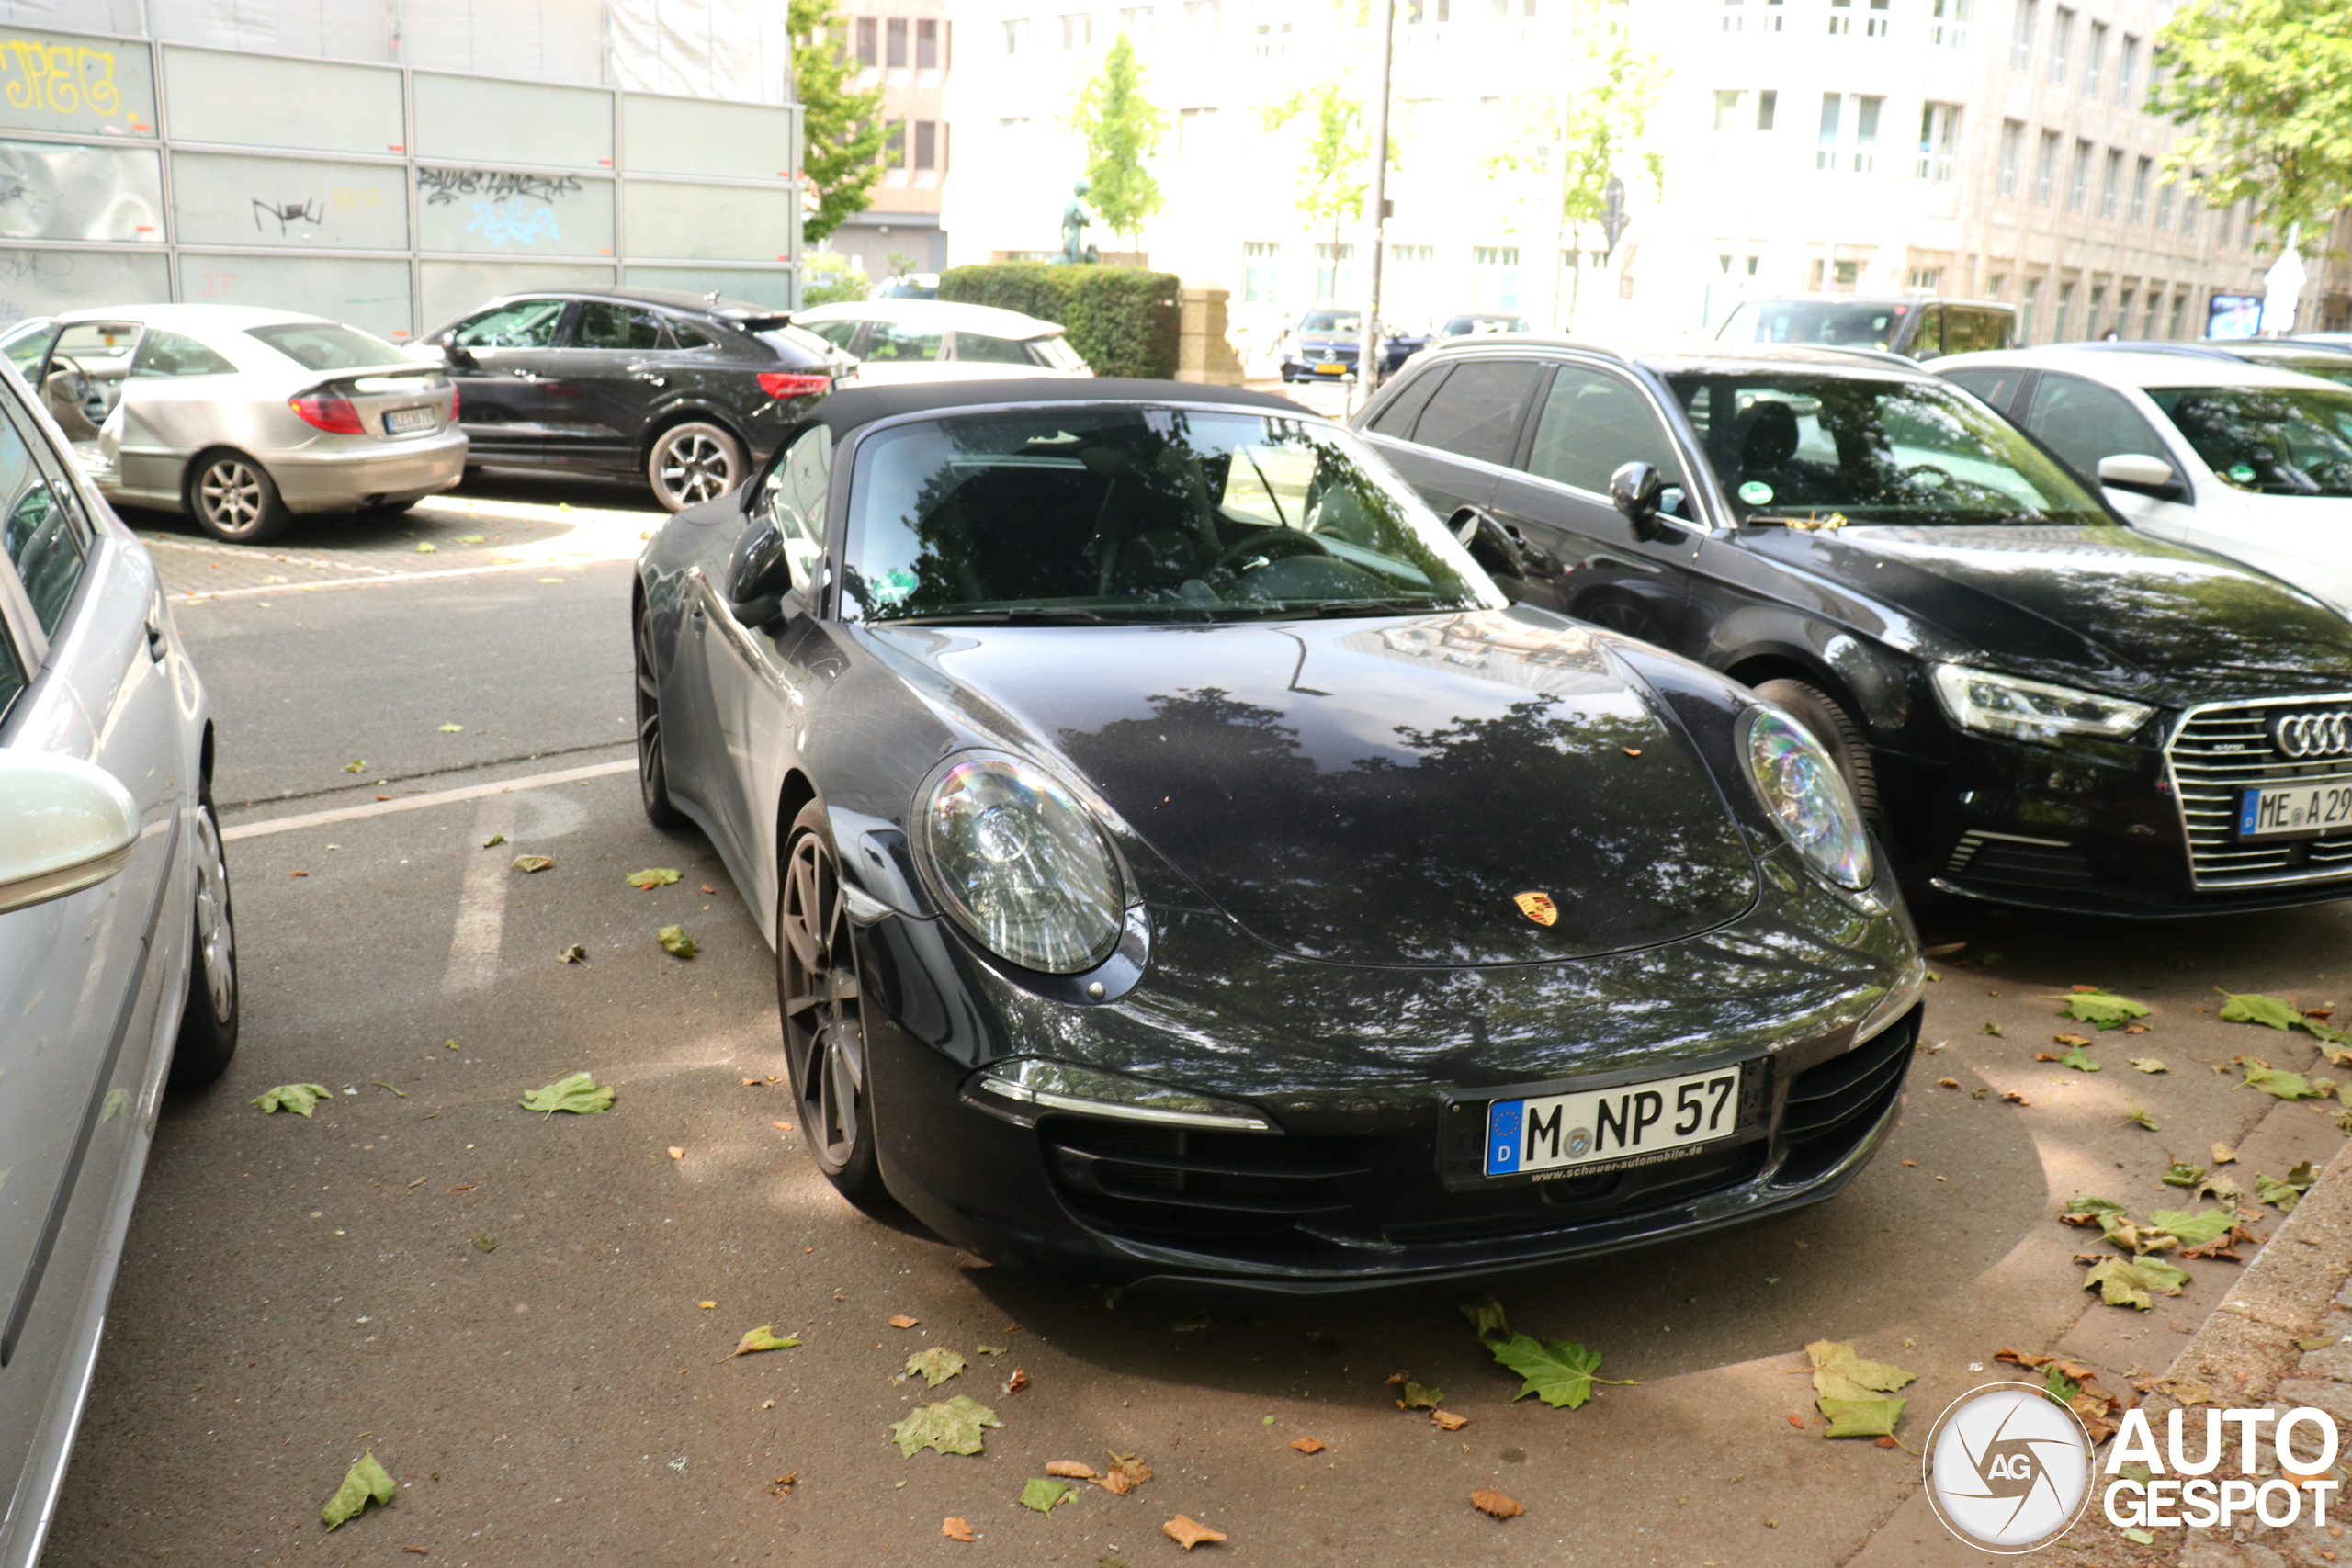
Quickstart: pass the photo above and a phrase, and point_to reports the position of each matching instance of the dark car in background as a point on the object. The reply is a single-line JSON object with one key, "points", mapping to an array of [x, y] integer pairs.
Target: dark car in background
{"points": [[1326, 343], [1182, 862], [1918, 327], [2034, 703], [685, 391]]}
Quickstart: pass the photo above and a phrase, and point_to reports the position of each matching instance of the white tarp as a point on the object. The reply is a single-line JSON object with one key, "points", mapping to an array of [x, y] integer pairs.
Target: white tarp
{"points": [[2282, 288], [735, 50]]}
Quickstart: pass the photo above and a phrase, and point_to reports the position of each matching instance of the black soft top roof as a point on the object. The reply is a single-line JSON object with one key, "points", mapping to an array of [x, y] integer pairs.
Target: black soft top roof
{"points": [[848, 410]]}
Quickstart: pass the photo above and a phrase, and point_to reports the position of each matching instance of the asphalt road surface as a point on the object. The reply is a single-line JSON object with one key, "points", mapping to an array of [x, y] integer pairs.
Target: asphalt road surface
{"points": [[528, 1318]]}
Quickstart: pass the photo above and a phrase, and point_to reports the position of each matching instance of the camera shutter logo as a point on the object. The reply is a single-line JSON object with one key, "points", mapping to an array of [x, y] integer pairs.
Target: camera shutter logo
{"points": [[2009, 1468], [2301, 736]]}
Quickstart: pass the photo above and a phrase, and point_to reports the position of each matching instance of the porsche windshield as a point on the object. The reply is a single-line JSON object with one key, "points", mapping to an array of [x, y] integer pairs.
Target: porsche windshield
{"points": [[1791, 444], [1085, 512]]}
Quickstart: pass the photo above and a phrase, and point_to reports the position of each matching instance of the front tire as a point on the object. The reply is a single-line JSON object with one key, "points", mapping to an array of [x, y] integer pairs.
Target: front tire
{"points": [[209, 1013], [694, 462], [233, 499], [822, 1004], [652, 768], [1840, 736]]}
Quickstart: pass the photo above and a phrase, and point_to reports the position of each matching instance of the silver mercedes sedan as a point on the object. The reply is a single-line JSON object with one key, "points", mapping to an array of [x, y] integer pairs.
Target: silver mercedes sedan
{"points": [[242, 418]]}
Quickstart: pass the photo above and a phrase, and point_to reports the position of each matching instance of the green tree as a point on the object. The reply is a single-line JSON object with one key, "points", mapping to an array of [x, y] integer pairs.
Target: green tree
{"points": [[2264, 88], [841, 127], [1332, 179], [1123, 130]]}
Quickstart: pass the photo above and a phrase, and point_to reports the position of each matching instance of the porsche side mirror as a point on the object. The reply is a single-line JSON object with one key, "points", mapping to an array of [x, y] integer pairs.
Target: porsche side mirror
{"points": [[2141, 476], [1637, 489], [759, 575], [64, 824], [1495, 550]]}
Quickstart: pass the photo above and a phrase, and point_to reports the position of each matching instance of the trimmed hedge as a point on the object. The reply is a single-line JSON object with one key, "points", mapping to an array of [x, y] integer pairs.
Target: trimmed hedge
{"points": [[1124, 320]]}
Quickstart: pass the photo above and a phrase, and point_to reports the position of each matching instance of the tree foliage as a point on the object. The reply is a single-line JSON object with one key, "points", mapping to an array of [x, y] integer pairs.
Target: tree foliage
{"points": [[841, 127], [2264, 89], [1123, 130]]}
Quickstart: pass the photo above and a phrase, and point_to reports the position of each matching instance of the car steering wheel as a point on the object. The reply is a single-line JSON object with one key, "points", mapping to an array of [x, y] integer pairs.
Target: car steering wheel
{"points": [[81, 389], [1272, 543], [1912, 473]]}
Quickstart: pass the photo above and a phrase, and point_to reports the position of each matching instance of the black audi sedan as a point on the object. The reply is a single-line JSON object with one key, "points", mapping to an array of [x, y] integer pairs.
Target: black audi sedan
{"points": [[1179, 858], [685, 392], [2032, 703]]}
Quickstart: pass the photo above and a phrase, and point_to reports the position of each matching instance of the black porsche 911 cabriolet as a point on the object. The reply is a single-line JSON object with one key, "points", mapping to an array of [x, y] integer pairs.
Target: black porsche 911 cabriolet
{"points": [[1181, 859]]}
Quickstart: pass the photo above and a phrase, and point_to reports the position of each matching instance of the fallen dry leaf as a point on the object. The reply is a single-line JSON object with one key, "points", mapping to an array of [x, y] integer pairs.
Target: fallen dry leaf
{"points": [[1448, 1421], [1017, 1382], [781, 1484], [1494, 1505], [955, 1529], [2224, 1155], [533, 862], [1189, 1533], [2011, 1096], [677, 1152], [763, 1337], [1307, 1445], [900, 1320], [575, 953], [1947, 1083], [1798, 1422], [1077, 1469], [1126, 1473]]}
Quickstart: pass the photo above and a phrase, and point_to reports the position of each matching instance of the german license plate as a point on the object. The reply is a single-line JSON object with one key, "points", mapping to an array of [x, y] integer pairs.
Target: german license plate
{"points": [[1610, 1126], [2310, 806], [1332, 368], [400, 421]]}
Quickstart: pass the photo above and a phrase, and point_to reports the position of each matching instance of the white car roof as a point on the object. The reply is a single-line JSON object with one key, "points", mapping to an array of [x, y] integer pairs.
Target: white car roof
{"points": [[2121, 367], [941, 314], [194, 318]]}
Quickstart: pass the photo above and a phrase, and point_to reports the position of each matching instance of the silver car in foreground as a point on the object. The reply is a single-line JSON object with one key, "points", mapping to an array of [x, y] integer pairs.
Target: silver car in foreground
{"points": [[118, 960], [242, 417]]}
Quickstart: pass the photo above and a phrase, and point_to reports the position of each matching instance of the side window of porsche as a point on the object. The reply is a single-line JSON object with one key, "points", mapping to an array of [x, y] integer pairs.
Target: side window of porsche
{"points": [[796, 498]]}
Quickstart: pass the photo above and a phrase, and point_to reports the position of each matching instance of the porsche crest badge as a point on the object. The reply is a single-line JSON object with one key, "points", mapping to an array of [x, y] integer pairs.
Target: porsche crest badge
{"points": [[1537, 906]]}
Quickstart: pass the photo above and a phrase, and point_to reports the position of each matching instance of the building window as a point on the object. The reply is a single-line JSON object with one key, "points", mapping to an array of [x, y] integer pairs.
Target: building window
{"points": [[1262, 268], [2179, 305], [2163, 205], [1016, 35], [1947, 23], [2123, 311], [1866, 133], [1194, 131], [2005, 173], [2045, 167], [2062, 44], [926, 146], [894, 145], [1734, 17], [2155, 298], [895, 38], [1775, 13], [1270, 42], [1768, 103], [927, 45], [1926, 279], [1201, 15], [2110, 183], [2099, 304], [1841, 17], [2127, 65], [2026, 305], [2021, 37], [869, 41], [1412, 256], [2078, 179], [1135, 21], [1939, 139], [1078, 29], [1876, 24], [2091, 58], [1824, 154], [1494, 273], [2141, 173], [2058, 317], [1996, 284], [1335, 271]]}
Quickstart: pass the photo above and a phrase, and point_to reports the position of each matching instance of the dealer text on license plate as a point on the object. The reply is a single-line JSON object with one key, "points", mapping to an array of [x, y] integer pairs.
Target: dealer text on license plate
{"points": [[1607, 1125], [2313, 805], [400, 421]]}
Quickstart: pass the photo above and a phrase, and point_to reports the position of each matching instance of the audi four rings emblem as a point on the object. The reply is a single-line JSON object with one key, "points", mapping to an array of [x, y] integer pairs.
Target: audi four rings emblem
{"points": [[2301, 734]]}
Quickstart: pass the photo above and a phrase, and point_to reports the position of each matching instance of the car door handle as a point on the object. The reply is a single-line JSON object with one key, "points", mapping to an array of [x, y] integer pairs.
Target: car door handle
{"points": [[156, 645]]}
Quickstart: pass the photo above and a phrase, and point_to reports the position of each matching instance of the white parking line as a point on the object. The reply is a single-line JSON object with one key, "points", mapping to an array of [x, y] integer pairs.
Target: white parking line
{"points": [[206, 596], [481, 908], [417, 802]]}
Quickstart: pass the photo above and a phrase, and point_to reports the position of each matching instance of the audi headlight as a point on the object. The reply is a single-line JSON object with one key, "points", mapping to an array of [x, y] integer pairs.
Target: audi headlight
{"points": [[1802, 789], [2031, 710], [1020, 864]]}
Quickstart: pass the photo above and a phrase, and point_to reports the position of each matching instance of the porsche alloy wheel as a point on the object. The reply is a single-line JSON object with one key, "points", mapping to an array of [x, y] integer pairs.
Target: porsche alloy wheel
{"points": [[652, 771], [692, 463], [233, 498], [819, 995]]}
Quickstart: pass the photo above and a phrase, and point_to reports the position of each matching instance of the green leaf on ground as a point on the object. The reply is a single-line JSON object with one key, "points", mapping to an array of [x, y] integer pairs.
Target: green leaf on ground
{"points": [[532, 863], [990, 1350], [763, 1337], [2336, 1042], [1043, 1493], [363, 1483], [357, 765], [2137, 1536], [452, 729], [2283, 1193], [676, 942], [579, 1093], [2277, 1083], [1421, 1396], [483, 1241], [2078, 1059], [2252, 1009], [2149, 1065], [2104, 1009], [2181, 1173], [299, 1097], [1558, 1371], [2085, 1203], [652, 876], [1994, 1029], [934, 1366], [493, 841], [1486, 1315], [471, 538], [2200, 1229], [427, 547], [1861, 1417], [2138, 1116], [2134, 1282], [2061, 1388], [1840, 1373], [951, 1427]]}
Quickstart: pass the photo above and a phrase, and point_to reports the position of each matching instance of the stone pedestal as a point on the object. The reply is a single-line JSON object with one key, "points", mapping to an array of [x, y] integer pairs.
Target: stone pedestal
{"points": [[1202, 352]]}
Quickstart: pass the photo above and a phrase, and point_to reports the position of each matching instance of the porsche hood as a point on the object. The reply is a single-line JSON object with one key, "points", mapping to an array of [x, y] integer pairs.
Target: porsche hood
{"points": [[1479, 788]]}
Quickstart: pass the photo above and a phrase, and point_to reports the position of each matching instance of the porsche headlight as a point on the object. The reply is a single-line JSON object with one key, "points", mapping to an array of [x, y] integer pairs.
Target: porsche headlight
{"points": [[2031, 710], [1802, 789], [1021, 866]]}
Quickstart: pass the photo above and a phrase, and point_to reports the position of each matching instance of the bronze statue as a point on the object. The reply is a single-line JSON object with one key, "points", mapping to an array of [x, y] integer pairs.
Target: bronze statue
{"points": [[1074, 220]]}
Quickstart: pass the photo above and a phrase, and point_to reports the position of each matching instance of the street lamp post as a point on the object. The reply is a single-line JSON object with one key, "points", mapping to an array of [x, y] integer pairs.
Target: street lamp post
{"points": [[1371, 348]]}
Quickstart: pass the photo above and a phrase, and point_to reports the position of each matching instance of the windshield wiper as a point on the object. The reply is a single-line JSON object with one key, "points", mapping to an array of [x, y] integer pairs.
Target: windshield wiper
{"points": [[1017, 615]]}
